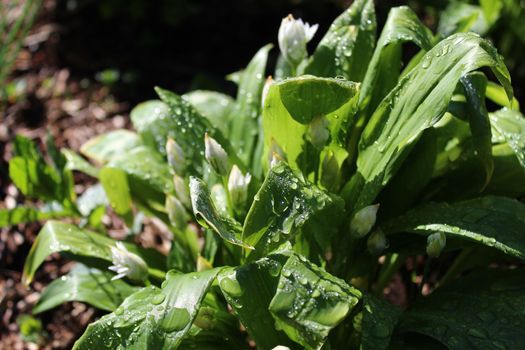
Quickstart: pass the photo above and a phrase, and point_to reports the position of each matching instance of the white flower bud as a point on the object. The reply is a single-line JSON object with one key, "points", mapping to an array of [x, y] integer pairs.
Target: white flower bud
{"points": [[181, 189], [363, 221], [216, 155], [281, 347], [175, 156], [435, 244], [176, 212], [377, 242], [127, 264], [318, 131], [293, 36], [269, 82], [238, 186]]}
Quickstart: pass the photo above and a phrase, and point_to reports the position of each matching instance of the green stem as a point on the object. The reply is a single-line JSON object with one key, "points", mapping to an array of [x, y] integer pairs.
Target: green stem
{"points": [[157, 274]]}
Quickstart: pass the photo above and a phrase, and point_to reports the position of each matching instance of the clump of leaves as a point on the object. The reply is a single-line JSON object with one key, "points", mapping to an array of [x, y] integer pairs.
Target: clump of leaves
{"points": [[293, 206]]}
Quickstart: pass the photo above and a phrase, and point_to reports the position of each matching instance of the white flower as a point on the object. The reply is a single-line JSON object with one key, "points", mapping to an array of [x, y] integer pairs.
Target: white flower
{"points": [[215, 155], [363, 221], [175, 156], [377, 242], [293, 36], [127, 264], [238, 186], [435, 244], [318, 131], [275, 154]]}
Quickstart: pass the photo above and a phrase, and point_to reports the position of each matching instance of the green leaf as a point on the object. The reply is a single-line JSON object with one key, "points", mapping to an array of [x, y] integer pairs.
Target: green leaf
{"points": [[57, 237], [214, 106], [510, 126], [290, 107], [284, 203], [75, 162], [249, 290], [116, 188], [309, 302], [245, 115], [18, 215], [492, 221], [417, 102], [187, 127], [459, 17], [105, 147], [496, 93], [347, 47], [480, 311], [151, 318], [378, 322], [474, 85], [208, 216], [86, 285], [402, 25]]}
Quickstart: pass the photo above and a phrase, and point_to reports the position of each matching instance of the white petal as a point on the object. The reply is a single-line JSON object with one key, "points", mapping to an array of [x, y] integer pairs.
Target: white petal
{"points": [[310, 31]]}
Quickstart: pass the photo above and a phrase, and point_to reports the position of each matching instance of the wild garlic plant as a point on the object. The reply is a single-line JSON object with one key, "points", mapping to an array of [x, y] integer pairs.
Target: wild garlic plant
{"points": [[293, 206]]}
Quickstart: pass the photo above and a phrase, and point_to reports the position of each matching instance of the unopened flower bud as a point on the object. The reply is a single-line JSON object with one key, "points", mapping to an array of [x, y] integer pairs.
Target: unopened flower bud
{"points": [[176, 212], [281, 347], [216, 155], [293, 36], [363, 221], [175, 156], [220, 198], [269, 82], [181, 189], [127, 264], [377, 242], [435, 244], [238, 186], [318, 131]]}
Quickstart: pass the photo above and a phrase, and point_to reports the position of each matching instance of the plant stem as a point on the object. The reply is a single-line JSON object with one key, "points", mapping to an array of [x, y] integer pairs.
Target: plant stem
{"points": [[457, 266], [157, 274]]}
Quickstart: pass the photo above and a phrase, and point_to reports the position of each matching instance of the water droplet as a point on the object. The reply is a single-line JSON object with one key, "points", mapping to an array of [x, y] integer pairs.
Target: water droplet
{"points": [[157, 299], [119, 311], [174, 320]]}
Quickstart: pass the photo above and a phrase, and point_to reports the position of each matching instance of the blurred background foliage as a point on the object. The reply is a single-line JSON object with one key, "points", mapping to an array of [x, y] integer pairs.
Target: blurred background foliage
{"points": [[133, 45]]}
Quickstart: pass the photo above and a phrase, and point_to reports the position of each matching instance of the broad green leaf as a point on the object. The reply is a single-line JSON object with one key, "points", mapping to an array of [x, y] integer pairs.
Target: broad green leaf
{"points": [[292, 104], [76, 162], [483, 310], [87, 285], [214, 106], [244, 121], [151, 318], [146, 171], [22, 214], [57, 237], [24, 147], [509, 175], [491, 10], [492, 221], [249, 290], [284, 203], [402, 25], [116, 188], [510, 126], [105, 147], [208, 216], [459, 17], [496, 93], [474, 85], [309, 302], [378, 322], [347, 47], [186, 126], [418, 101]]}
